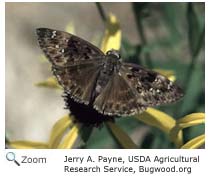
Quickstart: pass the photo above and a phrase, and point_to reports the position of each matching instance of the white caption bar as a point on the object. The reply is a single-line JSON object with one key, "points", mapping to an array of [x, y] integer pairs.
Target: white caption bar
{"points": [[103, 162]]}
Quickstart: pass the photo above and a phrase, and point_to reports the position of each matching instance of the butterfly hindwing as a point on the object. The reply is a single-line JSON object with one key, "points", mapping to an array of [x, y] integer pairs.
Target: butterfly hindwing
{"points": [[78, 81], [118, 98], [151, 88]]}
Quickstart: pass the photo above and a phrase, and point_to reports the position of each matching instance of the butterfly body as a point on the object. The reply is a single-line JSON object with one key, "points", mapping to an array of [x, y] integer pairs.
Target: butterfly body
{"points": [[112, 63], [103, 81]]}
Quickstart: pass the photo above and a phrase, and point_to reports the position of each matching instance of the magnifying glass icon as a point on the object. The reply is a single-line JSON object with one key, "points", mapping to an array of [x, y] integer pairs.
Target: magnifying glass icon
{"points": [[11, 157]]}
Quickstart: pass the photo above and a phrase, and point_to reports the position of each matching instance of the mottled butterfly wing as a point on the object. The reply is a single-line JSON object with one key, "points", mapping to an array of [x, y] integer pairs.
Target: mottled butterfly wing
{"points": [[90, 77], [118, 98], [64, 49], [133, 89], [78, 81], [151, 88], [75, 62]]}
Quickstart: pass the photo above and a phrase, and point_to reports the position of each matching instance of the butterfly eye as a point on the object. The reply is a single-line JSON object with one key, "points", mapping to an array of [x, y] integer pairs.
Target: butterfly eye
{"points": [[117, 55], [108, 52], [114, 53]]}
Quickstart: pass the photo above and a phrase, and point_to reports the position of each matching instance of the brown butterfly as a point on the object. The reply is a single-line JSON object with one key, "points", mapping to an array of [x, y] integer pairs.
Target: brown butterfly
{"points": [[103, 81]]}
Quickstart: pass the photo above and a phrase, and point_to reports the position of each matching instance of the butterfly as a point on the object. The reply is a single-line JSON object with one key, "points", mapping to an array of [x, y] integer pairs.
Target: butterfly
{"points": [[103, 81]]}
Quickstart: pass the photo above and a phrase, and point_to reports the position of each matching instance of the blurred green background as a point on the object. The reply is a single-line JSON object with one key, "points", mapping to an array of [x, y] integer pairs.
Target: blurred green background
{"points": [[155, 35]]}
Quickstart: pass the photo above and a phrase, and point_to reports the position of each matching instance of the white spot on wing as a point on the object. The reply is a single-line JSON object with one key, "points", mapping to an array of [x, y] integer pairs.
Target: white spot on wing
{"points": [[53, 34], [151, 89], [98, 88]]}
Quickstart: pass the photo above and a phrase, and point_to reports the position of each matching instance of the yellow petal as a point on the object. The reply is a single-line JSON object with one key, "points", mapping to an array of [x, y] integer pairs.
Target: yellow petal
{"points": [[43, 59], [186, 121], [112, 37], [70, 28], [156, 118], [167, 73], [28, 145], [125, 141], [195, 142], [51, 82], [174, 133], [70, 137], [191, 120], [162, 121], [58, 131]]}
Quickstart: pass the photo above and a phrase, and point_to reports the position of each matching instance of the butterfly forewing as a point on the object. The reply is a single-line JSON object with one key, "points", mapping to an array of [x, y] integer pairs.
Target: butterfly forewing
{"points": [[75, 62], [64, 49]]}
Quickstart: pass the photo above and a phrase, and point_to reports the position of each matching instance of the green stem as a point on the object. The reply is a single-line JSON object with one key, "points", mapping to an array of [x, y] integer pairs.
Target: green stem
{"points": [[190, 71], [101, 11], [200, 43], [140, 27], [195, 44], [85, 134]]}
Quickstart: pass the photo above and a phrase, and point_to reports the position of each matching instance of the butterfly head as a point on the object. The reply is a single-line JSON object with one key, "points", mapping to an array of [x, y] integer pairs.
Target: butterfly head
{"points": [[113, 54]]}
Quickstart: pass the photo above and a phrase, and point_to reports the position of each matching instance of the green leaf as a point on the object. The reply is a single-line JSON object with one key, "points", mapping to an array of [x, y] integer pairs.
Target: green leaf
{"points": [[140, 12], [101, 139], [200, 42], [85, 134], [194, 30], [171, 19], [140, 9], [192, 93]]}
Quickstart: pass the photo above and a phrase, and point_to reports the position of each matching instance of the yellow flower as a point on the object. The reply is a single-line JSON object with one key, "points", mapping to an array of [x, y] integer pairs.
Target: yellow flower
{"points": [[61, 137], [113, 34], [185, 122], [64, 133], [160, 120], [125, 141], [51, 82]]}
